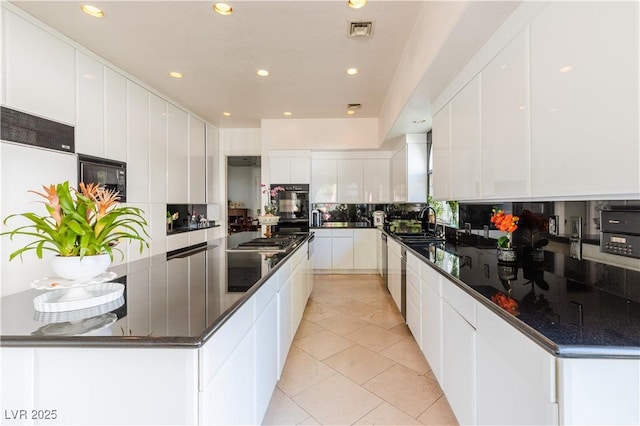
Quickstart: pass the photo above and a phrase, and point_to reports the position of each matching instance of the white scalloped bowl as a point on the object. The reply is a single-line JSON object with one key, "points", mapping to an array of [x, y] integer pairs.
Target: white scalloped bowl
{"points": [[268, 220], [80, 268]]}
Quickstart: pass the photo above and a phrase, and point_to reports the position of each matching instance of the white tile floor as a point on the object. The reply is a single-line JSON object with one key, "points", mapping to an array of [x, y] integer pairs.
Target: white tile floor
{"points": [[354, 361]]}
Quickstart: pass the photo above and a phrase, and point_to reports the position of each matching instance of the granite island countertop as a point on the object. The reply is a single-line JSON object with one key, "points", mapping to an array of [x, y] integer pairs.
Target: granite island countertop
{"points": [[572, 308], [169, 301]]}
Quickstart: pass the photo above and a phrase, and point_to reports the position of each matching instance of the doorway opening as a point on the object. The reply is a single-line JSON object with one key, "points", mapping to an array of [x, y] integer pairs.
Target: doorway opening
{"points": [[243, 192]]}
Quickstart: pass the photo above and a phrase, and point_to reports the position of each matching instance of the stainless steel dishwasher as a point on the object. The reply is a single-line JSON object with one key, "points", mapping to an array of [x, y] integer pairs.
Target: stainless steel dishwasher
{"points": [[385, 260], [403, 282]]}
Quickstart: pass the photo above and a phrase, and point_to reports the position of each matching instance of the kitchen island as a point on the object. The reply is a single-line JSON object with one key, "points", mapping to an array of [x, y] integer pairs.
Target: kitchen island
{"points": [[200, 337], [555, 341]]}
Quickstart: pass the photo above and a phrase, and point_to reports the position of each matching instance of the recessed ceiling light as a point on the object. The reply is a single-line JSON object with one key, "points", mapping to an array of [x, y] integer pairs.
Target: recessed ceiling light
{"points": [[262, 73], [356, 4], [222, 9], [352, 71], [175, 74], [350, 112], [287, 113], [566, 69], [92, 11], [226, 114]]}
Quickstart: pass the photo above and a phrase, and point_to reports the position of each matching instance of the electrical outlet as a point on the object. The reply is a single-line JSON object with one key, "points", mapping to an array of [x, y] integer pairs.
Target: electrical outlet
{"points": [[485, 228]]}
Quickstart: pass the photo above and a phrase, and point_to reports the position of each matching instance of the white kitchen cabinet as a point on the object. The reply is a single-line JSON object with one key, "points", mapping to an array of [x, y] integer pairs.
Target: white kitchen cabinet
{"points": [[299, 288], [350, 181], [365, 242], [115, 115], [197, 161], [414, 310], [416, 168], [399, 175], [285, 336], [459, 364], [40, 71], [292, 167], [379, 251], [266, 345], [324, 180], [505, 122], [431, 283], [322, 249], [177, 156], [441, 152], [213, 165], [377, 180], [137, 144], [466, 149], [90, 113], [394, 264], [279, 170], [584, 102], [525, 386], [157, 149], [341, 249], [227, 395]]}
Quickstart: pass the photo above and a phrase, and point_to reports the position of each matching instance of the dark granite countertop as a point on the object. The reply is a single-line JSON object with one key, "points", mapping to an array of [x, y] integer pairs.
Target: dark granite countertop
{"points": [[573, 308], [176, 301]]}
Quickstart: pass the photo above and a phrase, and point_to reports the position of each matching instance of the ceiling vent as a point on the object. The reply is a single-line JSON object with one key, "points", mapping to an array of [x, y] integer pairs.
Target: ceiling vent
{"points": [[354, 106], [360, 28]]}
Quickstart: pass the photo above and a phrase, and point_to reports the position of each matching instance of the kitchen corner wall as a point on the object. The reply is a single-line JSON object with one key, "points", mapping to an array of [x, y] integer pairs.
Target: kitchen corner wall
{"points": [[172, 155]]}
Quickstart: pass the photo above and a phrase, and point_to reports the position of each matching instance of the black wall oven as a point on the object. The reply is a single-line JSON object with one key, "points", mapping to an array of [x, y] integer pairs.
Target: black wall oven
{"points": [[293, 208], [108, 173]]}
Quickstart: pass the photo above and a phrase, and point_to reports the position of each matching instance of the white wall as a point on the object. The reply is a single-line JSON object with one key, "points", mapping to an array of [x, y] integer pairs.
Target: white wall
{"points": [[320, 134]]}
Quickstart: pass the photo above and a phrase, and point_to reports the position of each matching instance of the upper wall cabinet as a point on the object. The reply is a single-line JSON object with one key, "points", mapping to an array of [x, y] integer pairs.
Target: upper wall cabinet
{"points": [[584, 83], [197, 161], [324, 180], [213, 167], [441, 152], [137, 144], [101, 113], [289, 167], [177, 156], [377, 178], [466, 150], [90, 111], [350, 181], [505, 122], [115, 115], [40, 71], [399, 175], [157, 149]]}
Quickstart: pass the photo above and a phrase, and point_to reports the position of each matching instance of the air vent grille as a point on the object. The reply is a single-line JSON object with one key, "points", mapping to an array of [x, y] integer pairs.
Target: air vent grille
{"points": [[354, 106], [360, 28]]}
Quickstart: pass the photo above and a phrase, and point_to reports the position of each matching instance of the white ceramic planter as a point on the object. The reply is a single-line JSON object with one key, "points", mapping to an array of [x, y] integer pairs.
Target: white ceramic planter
{"points": [[80, 268]]}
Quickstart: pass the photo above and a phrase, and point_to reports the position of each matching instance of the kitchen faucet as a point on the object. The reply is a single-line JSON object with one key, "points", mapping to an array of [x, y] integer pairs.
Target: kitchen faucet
{"points": [[424, 218]]}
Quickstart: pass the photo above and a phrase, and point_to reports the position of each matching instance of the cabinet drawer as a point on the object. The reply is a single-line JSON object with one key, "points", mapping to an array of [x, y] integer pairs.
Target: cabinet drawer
{"points": [[413, 263], [527, 358], [264, 295], [342, 233], [393, 247], [460, 301], [431, 277], [322, 233]]}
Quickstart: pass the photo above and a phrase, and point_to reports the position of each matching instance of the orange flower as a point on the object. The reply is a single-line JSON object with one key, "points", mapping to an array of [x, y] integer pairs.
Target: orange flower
{"points": [[504, 222], [105, 199], [53, 206]]}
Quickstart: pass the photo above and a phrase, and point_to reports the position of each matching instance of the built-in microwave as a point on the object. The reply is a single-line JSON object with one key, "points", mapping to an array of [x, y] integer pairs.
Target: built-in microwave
{"points": [[108, 173]]}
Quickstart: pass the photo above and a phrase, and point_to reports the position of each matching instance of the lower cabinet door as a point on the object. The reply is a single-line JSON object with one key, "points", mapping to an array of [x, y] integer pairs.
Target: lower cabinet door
{"points": [[322, 253], [459, 365], [229, 398], [266, 357], [432, 329]]}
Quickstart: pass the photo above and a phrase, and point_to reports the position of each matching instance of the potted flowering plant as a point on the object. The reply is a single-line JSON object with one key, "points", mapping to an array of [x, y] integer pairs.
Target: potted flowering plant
{"points": [[79, 224], [271, 208], [507, 223]]}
